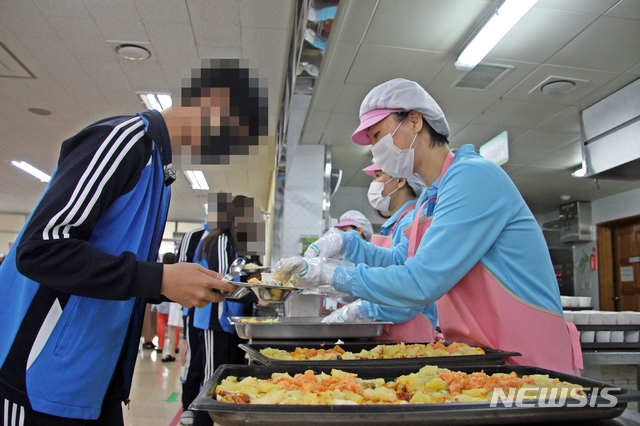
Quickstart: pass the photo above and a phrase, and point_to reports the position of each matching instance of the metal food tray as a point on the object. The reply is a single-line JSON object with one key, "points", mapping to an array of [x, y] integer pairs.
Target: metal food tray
{"points": [[228, 414], [490, 357], [305, 328]]}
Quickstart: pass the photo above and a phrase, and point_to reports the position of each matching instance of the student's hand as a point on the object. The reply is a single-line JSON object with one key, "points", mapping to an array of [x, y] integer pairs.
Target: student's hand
{"points": [[190, 284]]}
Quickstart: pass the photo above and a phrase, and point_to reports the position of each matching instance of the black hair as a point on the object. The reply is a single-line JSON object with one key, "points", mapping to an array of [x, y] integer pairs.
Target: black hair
{"points": [[247, 119], [436, 138], [168, 258]]}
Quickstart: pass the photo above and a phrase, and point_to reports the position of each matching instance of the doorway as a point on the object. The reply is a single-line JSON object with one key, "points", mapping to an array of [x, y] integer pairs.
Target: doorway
{"points": [[618, 245]]}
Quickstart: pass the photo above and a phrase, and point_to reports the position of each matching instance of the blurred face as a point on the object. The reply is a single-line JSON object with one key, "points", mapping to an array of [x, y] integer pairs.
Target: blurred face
{"points": [[203, 118], [250, 228], [390, 183], [219, 209]]}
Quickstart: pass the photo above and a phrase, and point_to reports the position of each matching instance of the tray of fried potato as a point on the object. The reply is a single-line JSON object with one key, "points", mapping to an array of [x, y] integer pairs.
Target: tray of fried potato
{"points": [[373, 353], [406, 395]]}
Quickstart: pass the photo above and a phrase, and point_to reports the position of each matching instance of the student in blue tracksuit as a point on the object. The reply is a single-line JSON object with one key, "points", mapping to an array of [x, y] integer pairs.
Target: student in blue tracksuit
{"points": [[81, 268]]}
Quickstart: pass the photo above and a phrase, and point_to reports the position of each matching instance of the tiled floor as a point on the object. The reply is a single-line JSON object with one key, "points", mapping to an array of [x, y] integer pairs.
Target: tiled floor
{"points": [[155, 396]]}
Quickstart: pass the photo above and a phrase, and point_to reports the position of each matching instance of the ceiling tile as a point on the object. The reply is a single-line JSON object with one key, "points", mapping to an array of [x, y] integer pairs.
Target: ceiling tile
{"points": [[337, 62], [629, 9], [325, 95], [164, 11], [539, 34], [592, 49], [81, 36], [358, 14], [508, 112], [25, 20], [568, 156], [567, 120], [350, 98], [410, 26], [117, 20], [70, 8], [376, 64], [216, 23], [592, 7], [266, 13], [543, 140]]}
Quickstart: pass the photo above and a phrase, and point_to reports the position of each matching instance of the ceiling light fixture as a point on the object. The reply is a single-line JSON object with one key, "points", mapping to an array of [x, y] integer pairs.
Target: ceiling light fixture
{"points": [[196, 179], [133, 52], [31, 170], [157, 101], [557, 87], [506, 16]]}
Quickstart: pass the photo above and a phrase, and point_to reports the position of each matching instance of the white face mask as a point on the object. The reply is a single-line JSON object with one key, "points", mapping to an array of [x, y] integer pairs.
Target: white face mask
{"points": [[393, 160], [376, 199]]}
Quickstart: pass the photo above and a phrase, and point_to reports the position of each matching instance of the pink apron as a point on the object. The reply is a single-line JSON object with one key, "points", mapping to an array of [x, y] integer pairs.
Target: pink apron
{"points": [[385, 240], [419, 328], [480, 311]]}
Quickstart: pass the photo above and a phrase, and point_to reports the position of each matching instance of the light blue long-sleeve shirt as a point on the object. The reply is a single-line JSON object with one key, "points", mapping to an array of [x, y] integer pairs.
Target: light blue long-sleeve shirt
{"points": [[479, 217], [362, 252]]}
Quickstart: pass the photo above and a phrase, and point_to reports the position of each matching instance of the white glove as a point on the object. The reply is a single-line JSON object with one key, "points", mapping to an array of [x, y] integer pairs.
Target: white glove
{"points": [[348, 313], [329, 245], [306, 273]]}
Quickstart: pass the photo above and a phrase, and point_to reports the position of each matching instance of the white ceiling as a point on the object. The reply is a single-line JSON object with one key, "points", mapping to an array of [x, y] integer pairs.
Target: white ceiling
{"points": [[65, 44], [595, 42]]}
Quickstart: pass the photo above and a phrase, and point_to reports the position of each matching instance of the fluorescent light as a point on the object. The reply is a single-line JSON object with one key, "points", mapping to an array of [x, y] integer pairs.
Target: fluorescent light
{"points": [[156, 101], [507, 15], [32, 170], [196, 179]]}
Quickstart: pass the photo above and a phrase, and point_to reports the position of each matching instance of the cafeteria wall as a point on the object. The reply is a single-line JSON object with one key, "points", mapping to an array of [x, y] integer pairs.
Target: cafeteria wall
{"points": [[607, 209], [303, 196]]}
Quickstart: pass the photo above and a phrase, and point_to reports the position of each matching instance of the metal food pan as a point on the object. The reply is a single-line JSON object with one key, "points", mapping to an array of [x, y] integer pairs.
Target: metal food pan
{"points": [[306, 328], [490, 357], [406, 414]]}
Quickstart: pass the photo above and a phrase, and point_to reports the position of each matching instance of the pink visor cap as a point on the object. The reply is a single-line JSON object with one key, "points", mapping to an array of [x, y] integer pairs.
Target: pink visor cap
{"points": [[347, 222], [367, 120], [372, 169], [397, 95]]}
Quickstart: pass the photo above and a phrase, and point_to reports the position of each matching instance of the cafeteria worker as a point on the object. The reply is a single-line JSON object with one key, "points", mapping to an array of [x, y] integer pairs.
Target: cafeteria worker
{"points": [[483, 258]]}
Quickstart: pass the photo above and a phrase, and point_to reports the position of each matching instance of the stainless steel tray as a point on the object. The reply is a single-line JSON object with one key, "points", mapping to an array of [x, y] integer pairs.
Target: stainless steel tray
{"points": [[407, 414], [306, 328], [490, 357]]}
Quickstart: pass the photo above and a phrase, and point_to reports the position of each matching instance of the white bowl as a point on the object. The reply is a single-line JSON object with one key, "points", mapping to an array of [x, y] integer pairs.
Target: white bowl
{"points": [[631, 336], [581, 318], [568, 316], [609, 317], [595, 317], [566, 301], [603, 336], [587, 336], [584, 302], [623, 318]]}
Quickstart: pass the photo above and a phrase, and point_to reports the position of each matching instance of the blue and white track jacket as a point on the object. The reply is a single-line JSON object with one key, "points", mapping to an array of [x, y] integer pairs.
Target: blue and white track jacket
{"points": [[74, 283]]}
